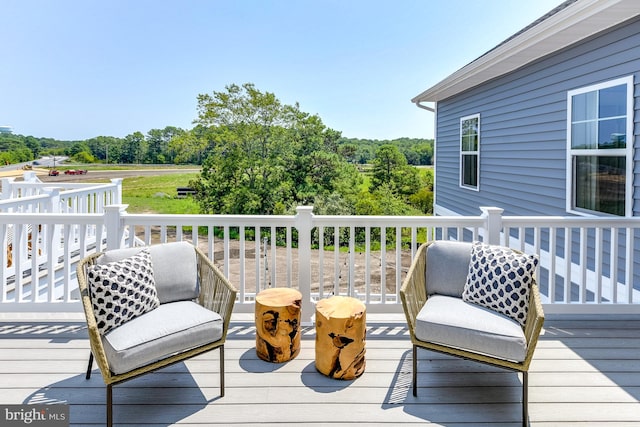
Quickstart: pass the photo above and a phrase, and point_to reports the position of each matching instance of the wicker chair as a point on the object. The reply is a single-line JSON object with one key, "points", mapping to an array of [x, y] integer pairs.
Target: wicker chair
{"points": [[195, 305], [439, 269]]}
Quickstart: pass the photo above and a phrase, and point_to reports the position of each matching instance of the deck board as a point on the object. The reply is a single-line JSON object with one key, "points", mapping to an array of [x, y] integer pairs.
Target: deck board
{"points": [[584, 373]]}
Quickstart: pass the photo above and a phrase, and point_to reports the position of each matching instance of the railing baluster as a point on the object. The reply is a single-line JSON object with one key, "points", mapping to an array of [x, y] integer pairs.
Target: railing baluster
{"points": [[383, 263], [258, 260], [274, 256], [226, 256], [320, 262], [367, 263], [583, 266], [352, 262], [629, 247], [336, 260], [289, 257], [598, 265], [613, 264], [398, 263], [241, 258]]}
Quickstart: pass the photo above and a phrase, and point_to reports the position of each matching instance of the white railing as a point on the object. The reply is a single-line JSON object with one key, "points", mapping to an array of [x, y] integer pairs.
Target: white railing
{"points": [[366, 257], [602, 271], [35, 244]]}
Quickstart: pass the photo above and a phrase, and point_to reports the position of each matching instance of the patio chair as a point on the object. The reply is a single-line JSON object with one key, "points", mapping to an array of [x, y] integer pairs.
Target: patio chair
{"points": [[148, 308], [474, 301]]}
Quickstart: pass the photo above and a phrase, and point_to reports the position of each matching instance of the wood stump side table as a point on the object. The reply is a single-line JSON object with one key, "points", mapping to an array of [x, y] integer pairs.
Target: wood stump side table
{"points": [[277, 316], [340, 337]]}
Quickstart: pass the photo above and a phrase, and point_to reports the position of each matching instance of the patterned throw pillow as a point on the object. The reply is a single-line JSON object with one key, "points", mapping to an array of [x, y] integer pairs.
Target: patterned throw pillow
{"points": [[500, 279], [122, 290]]}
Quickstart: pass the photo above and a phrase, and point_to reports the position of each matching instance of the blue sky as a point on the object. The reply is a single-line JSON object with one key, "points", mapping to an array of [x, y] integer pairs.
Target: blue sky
{"points": [[76, 69]]}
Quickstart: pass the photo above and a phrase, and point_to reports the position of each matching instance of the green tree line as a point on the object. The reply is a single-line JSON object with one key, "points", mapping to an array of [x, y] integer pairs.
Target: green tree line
{"points": [[362, 151], [260, 156]]}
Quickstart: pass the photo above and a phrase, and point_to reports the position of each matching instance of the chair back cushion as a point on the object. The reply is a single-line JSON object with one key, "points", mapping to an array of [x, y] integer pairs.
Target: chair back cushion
{"points": [[174, 268], [447, 267]]}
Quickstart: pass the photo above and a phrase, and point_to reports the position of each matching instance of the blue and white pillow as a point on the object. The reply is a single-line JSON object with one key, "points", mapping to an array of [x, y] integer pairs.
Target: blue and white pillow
{"points": [[500, 279], [122, 290]]}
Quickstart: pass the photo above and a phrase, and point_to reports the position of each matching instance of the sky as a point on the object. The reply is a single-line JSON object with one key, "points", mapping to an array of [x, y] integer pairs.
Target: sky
{"points": [[77, 69]]}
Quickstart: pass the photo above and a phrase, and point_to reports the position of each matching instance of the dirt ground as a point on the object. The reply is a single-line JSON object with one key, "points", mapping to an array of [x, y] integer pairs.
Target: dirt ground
{"points": [[105, 175], [262, 271]]}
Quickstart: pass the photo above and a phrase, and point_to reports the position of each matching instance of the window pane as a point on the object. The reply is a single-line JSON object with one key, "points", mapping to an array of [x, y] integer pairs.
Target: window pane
{"points": [[612, 133], [583, 135], [584, 107], [613, 101], [470, 127], [470, 170], [470, 143], [600, 184]]}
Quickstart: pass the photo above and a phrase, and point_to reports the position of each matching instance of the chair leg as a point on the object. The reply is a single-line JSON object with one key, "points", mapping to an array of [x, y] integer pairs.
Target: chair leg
{"points": [[109, 405], [525, 399], [222, 371], [415, 371], [90, 366]]}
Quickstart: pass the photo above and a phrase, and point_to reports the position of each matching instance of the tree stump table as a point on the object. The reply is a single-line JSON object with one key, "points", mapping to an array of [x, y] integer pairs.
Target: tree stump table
{"points": [[340, 337], [277, 314]]}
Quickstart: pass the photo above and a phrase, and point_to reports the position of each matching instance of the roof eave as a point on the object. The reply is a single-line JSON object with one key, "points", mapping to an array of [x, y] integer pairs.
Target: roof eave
{"points": [[576, 22]]}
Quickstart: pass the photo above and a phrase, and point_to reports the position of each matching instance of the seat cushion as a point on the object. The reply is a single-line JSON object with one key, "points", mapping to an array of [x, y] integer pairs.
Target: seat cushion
{"points": [[453, 322], [447, 267], [155, 335], [174, 268]]}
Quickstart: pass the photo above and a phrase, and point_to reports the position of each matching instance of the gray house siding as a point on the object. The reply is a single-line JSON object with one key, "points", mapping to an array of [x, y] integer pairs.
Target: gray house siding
{"points": [[523, 128]]}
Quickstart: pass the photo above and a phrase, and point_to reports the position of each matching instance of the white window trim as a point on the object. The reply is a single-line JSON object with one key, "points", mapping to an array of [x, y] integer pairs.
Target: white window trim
{"points": [[477, 153], [627, 151]]}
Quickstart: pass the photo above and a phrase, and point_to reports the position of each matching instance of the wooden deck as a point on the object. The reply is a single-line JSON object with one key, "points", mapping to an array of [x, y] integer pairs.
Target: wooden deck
{"points": [[585, 372]]}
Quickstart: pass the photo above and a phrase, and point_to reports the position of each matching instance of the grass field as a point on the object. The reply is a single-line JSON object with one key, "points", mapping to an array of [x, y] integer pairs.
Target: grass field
{"points": [[157, 194]]}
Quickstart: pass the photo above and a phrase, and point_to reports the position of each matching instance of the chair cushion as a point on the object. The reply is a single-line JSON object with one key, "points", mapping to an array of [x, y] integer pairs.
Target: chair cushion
{"points": [[453, 322], [174, 266], [447, 267], [122, 290], [167, 330], [500, 278]]}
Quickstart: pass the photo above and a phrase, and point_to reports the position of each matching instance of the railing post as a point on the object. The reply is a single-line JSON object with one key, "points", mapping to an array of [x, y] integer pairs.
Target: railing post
{"points": [[30, 176], [492, 224], [304, 224], [117, 199], [113, 223], [53, 203], [7, 188], [53, 241]]}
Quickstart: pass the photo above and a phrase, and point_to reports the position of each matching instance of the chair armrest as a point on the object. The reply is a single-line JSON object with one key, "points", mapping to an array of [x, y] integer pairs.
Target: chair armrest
{"points": [[413, 292], [95, 339], [533, 325], [216, 292]]}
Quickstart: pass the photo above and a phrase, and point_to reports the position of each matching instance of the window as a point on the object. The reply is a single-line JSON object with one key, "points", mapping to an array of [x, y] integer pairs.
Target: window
{"points": [[600, 120], [469, 151]]}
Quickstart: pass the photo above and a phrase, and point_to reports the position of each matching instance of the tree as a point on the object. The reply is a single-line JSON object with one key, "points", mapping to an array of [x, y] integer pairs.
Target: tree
{"points": [[263, 156], [105, 148], [387, 162], [187, 147], [34, 145], [134, 148], [349, 151], [158, 141]]}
